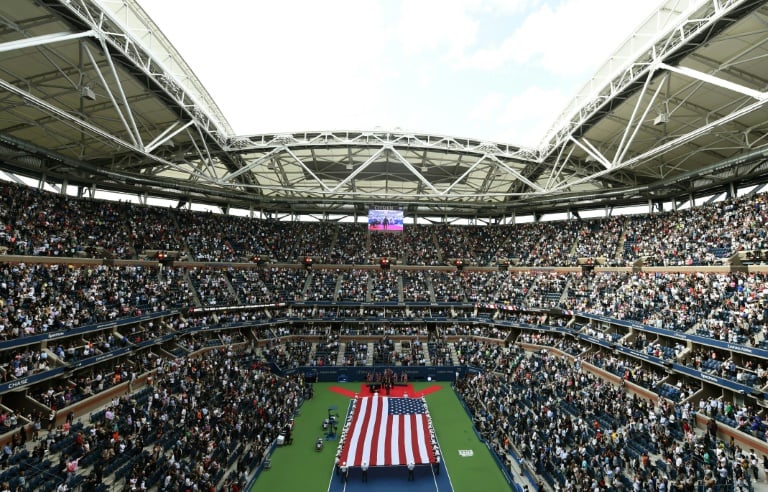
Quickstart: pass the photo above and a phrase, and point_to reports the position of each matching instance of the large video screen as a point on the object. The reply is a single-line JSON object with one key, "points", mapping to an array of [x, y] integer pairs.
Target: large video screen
{"points": [[385, 220]]}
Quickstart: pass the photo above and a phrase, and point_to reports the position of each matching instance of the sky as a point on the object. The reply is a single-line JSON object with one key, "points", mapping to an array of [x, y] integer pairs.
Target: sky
{"points": [[494, 70]]}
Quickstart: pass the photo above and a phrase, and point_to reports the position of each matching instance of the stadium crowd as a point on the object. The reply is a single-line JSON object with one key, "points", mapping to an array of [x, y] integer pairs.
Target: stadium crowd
{"points": [[46, 224], [579, 432], [205, 423], [204, 418]]}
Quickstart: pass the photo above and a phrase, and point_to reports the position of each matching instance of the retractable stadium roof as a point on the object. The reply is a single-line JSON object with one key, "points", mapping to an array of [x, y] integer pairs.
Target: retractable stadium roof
{"points": [[93, 95]]}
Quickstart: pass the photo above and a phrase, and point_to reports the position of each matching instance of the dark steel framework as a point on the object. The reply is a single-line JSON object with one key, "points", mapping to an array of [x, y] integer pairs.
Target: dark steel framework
{"points": [[93, 95]]}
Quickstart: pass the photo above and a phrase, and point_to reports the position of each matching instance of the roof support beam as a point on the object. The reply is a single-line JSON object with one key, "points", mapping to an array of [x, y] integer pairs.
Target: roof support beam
{"points": [[306, 169], [608, 83], [358, 170], [231, 176], [206, 158], [78, 123], [15, 178], [131, 40], [130, 128], [120, 90], [671, 144], [516, 174], [416, 173], [167, 135], [44, 39], [591, 151], [464, 174], [625, 141], [711, 79], [557, 169]]}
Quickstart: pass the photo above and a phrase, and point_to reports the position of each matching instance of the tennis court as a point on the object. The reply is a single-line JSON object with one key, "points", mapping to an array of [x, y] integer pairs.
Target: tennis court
{"points": [[466, 463]]}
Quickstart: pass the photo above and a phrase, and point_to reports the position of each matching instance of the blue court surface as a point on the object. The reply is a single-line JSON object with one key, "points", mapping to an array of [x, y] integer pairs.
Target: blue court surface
{"points": [[389, 478]]}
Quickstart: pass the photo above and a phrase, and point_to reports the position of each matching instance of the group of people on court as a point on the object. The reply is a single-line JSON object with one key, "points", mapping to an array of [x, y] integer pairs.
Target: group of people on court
{"points": [[342, 470]]}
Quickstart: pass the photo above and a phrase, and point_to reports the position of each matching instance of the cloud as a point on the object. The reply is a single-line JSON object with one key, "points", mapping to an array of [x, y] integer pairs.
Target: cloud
{"points": [[487, 108], [570, 37], [284, 65], [489, 69], [524, 118], [449, 27], [425, 26]]}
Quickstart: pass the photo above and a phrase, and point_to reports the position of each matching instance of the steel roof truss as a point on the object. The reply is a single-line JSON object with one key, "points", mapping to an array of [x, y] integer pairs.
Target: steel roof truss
{"points": [[483, 189], [308, 170], [413, 170], [205, 157], [44, 39], [282, 177], [79, 123], [358, 170], [367, 139], [626, 140], [166, 135], [516, 174], [13, 177], [711, 79], [674, 143], [683, 101], [590, 149], [557, 170], [55, 136], [252, 165], [131, 128], [670, 43], [751, 169], [62, 115], [107, 30], [760, 136]]}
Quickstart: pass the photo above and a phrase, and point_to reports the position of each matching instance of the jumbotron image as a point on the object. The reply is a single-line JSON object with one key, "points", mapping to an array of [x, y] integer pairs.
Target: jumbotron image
{"points": [[186, 308]]}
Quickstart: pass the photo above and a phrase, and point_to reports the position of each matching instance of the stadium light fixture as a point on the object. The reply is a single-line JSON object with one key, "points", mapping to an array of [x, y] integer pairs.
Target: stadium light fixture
{"points": [[87, 93]]}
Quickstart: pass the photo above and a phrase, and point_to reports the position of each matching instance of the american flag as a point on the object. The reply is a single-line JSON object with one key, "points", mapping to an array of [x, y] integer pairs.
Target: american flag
{"points": [[388, 431]]}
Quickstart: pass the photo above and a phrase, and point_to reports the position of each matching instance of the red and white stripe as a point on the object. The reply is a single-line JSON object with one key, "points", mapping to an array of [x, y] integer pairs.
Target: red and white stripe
{"points": [[380, 439]]}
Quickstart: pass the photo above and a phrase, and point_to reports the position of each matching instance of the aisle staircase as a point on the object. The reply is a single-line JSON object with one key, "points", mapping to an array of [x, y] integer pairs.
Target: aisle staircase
{"points": [[342, 354], [398, 350], [454, 354], [369, 359]]}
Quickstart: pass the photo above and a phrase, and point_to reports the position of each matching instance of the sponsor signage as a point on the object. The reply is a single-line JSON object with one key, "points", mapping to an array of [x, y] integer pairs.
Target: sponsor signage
{"points": [[722, 382], [156, 341], [100, 358], [81, 330], [602, 343], [710, 342], [30, 380], [640, 355]]}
